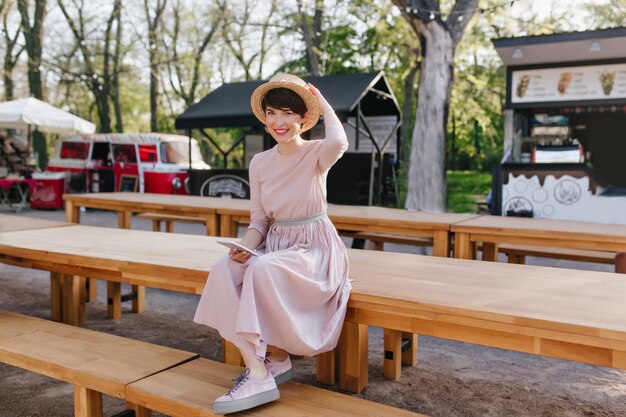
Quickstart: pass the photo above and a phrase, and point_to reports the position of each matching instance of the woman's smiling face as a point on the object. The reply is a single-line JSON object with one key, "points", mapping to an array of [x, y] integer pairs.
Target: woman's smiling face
{"points": [[283, 124]]}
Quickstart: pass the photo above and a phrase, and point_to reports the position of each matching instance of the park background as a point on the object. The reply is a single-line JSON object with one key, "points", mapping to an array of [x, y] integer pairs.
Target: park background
{"points": [[134, 66]]}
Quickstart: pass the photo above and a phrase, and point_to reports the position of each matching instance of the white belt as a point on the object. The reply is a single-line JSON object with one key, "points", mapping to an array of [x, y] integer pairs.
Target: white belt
{"points": [[299, 222]]}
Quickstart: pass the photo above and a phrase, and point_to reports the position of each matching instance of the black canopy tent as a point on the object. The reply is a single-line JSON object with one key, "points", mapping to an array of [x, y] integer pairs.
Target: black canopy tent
{"points": [[355, 97]]}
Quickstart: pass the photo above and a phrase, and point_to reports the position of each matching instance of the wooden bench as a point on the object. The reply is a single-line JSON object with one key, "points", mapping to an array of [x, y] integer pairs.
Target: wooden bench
{"points": [[95, 363], [189, 390], [379, 239], [516, 254], [620, 263], [169, 220]]}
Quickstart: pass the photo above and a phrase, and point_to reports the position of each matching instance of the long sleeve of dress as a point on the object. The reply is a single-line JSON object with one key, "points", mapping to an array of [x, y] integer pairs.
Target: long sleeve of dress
{"points": [[258, 217], [336, 142]]}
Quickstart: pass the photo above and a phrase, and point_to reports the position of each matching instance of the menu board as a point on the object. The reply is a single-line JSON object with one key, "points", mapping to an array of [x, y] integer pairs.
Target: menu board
{"points": [[590, 82]]}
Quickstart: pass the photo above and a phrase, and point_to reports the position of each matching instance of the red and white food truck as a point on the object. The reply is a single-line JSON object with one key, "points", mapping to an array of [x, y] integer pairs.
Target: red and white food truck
{"points": [[143, 162]]}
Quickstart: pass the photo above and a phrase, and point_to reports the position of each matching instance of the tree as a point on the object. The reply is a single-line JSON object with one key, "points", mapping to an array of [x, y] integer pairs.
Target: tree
{"points": [[33, 37], [312, 40], [241, 31], [154, 23], [608, 15], [439, 37], [97, 77], [188, 48], [10, 42]]}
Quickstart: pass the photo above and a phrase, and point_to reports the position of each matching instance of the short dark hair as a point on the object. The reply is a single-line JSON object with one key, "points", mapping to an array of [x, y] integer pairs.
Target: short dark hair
{"points": [[284, 98]]}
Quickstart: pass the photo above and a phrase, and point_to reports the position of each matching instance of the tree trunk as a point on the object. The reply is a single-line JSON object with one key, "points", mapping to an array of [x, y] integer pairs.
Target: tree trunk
{"points": [[33, 37], [407, 109], [312, 61], [427, 179]]}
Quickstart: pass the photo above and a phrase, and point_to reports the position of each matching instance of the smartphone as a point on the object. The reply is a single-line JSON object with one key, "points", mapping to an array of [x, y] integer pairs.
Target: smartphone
{"points": [[239, 247]]}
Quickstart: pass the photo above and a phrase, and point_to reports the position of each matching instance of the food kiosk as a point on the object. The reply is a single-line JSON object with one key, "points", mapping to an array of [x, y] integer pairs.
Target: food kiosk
{"points": [[565, 127]]}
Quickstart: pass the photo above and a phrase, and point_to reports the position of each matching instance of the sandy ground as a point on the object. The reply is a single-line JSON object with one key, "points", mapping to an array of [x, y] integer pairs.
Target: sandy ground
{"points": [[451, 378]]}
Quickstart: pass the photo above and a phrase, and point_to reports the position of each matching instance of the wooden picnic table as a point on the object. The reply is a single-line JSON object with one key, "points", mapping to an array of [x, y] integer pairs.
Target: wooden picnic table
{"points": [[569, 314], [9, 223], [492, 230], [139, 258], [223, 215], [125, 204], [366, 219]]}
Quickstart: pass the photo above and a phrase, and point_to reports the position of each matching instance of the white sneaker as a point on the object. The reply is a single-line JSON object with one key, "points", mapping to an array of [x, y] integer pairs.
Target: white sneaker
{"points": [[281, 370], [247, 392]]}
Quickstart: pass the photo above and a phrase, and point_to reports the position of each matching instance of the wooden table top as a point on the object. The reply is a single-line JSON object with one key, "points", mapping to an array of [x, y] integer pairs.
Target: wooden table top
{"points": [[580, 302], [162, 260], [143, 201], [365, 215], [553, 229], [95, 360], [9, 222]]}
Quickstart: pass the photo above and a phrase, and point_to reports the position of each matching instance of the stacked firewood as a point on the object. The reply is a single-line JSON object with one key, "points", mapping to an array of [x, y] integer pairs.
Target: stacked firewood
{"points": [[13, 155]]}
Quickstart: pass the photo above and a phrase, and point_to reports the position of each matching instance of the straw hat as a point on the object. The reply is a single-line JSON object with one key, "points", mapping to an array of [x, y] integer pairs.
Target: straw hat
{"points": [[295, 84]]}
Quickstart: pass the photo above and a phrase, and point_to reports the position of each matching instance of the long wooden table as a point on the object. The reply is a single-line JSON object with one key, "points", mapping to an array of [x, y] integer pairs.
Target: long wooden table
{"points": [[366, 219], [492, 230], [139, 258], [10, 223], [224, 215], [125, 204], [569, 314]]}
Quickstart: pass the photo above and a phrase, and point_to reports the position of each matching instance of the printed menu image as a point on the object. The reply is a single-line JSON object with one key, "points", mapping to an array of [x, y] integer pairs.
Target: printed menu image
{"points": [[564, 82], [522, 86], [607, 79]]}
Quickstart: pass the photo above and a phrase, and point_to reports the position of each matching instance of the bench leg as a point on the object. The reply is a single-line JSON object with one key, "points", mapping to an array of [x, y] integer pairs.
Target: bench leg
{"points": [[393, 354], [409, 354], [169, 226], [353, 357], [139, 299], [516, 259], [87, 403], [56, 296], [139, 410], [156, 225], [327, 364], [490, 251], [232, 356], [114, 300], [379, 245]]}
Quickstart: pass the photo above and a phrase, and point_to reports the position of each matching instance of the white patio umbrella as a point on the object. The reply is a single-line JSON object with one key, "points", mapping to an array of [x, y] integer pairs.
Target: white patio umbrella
{"points": [[27, 113]]}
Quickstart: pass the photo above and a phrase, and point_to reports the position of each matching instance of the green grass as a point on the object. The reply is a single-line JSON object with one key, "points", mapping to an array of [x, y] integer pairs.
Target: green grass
{"points": [[465, 188]]}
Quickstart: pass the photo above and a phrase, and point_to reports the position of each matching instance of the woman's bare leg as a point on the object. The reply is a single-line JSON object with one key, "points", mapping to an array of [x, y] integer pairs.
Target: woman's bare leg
{"points": [[256, 366]]}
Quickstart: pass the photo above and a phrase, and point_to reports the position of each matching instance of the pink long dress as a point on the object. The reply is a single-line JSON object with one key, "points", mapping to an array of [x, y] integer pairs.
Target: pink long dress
{"points": [[294, 296]]}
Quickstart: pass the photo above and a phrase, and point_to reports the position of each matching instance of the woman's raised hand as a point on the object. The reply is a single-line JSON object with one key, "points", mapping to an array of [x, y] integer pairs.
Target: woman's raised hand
{"points": [[324, 105]]}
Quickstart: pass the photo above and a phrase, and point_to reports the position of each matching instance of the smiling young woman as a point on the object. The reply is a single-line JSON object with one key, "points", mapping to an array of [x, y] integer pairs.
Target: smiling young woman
{"points": [[293, 297]]}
